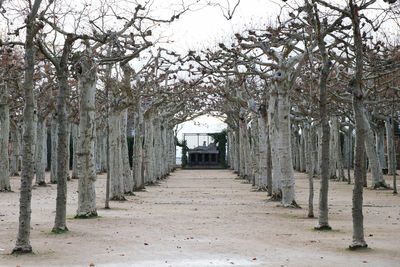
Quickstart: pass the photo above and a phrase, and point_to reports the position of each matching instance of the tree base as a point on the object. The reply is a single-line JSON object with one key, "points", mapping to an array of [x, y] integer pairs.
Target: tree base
{"points": [[60, 230], [87, 215], [42, 184], [293, 205], [322, 228], [358, 245], [130, 193], [310, 215], [118, 198], [275, 197], [139, 189], [18, 250], [260, 189], [6, 190], [380, 185]]}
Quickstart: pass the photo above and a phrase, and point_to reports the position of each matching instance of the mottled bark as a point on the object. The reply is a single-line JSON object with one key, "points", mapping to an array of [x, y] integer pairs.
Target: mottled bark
{"points": [[355, 86], [63, 92], [53, 133], [377, 175], [284, 151], [380, 145], [263, 151], [273, 136], [255, 153], [41, 152], [389, 146], [28, 147], [75, 138], [138, 149], [303, 163], [86, 138], [4, 139], [126, 168], [115, 156], [148, 149], [308, 157], [16, 142]]}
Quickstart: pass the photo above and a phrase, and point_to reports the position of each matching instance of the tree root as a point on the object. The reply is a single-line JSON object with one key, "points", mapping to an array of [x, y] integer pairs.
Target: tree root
{"points": [[293, 205], [275, 197], [358, 245], [42, 184], [89, 215], [19, 250], [381, 185], [118, 198], [260, 189], [6, 190], [130, 193], [322, 228], [60, 230]]}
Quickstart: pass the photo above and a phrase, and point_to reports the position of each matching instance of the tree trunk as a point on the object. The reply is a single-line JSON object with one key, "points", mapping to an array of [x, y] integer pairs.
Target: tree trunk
{"points": [[126, 167], [75, 141], [138, 149], [53, 168], [359, 171], [86, 168], [377, 176], [273, 137], [148, 150], [324, 141], [285, 151], [355, 86], [15, 157], [60, 223], [242, 147], [28, 147], [314, 149], [115, 156], [4, 135], [41, 152], [303, 151], [309, 140], [255, 152], [332, 149], [263, 158], [389, 146], [380, 145]]}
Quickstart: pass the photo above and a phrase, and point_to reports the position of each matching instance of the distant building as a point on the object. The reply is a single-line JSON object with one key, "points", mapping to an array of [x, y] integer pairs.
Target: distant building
{"points": [[203, 156]]}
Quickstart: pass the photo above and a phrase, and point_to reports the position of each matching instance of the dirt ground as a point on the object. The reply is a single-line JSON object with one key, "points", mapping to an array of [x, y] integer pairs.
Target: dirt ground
{"points": [[203, 218]]}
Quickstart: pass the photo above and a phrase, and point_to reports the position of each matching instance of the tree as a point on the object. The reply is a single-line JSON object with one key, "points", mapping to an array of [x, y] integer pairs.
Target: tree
{"points": [[23, 239]]}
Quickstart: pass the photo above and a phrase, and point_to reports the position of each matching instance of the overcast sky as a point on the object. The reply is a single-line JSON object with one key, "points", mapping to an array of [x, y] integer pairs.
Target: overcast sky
{"points": [[206, 28]]}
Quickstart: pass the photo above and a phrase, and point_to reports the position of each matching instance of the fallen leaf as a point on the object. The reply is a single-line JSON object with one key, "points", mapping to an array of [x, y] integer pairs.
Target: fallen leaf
{"points": [[146, 244], [364, 261], [91, 265], [254, 259]]}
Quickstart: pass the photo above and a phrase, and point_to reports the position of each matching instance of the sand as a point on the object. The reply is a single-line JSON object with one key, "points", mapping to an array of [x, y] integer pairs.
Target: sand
{"points": [[203, 218]]}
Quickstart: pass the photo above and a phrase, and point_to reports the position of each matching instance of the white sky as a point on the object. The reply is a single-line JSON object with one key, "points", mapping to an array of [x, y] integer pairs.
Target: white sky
{"points": [[206, 28]]}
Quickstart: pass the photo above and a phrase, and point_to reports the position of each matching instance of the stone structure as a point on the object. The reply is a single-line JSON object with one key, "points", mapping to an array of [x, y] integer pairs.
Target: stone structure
{"points": [[203, 156]]}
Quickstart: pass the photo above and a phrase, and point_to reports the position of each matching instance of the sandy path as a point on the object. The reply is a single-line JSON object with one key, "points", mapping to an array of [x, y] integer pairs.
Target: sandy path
{"points": [[203, 218]]}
